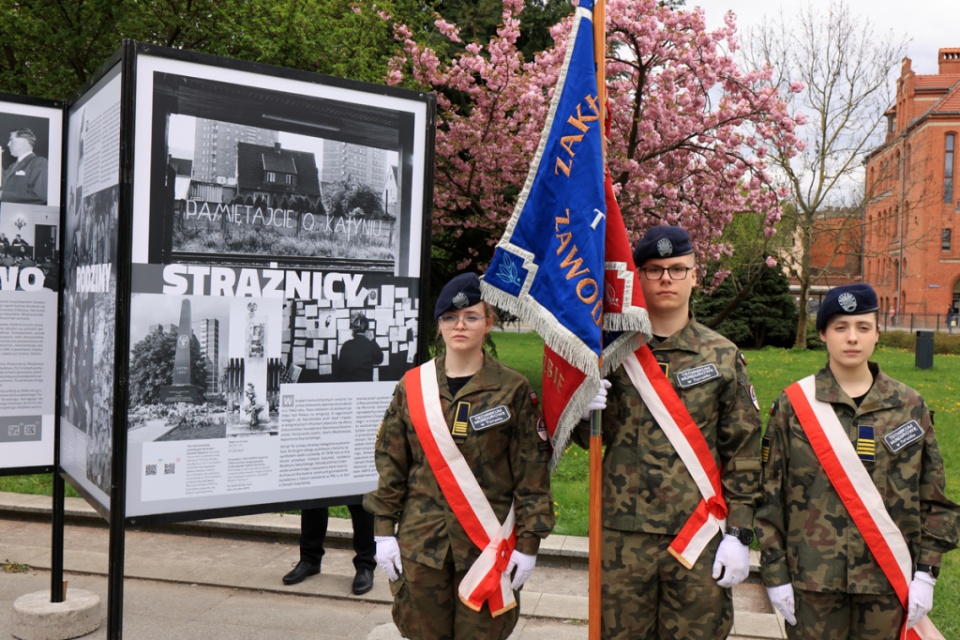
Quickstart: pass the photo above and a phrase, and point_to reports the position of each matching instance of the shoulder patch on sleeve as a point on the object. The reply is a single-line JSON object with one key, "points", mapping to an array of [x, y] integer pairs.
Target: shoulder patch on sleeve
{"points": [[773, 408], [743, 358]]}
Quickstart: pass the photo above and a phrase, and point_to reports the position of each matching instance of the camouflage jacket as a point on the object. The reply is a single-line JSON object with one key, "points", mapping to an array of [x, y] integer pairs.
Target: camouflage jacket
{"points": [[509, 459], [806, 534], [646, 487]]}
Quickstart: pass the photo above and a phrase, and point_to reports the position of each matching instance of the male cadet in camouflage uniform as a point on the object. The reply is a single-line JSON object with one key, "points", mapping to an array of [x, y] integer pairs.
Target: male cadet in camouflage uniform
{"points": [[819, 572], [492, 414], [648, 493]]}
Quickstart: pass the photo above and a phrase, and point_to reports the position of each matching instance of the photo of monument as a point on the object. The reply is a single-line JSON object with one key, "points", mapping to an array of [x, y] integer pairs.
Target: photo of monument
{"points": [[196, 375]]}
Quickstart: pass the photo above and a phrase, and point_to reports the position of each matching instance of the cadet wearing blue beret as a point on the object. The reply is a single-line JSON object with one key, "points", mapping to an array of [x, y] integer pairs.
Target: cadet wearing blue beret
{"points": [[649, 495], [822, 573], [849, 299], [663, 241], [460, 292], [496, 443]]}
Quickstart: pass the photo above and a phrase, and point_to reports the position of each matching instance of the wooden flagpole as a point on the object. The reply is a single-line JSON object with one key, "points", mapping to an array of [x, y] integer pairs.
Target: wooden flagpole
{"points": [[596, 439]]}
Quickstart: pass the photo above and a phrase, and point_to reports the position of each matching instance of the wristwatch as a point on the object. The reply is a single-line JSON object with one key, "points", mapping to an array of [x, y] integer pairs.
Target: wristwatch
{"points": [[929, 568], [745, 536]]}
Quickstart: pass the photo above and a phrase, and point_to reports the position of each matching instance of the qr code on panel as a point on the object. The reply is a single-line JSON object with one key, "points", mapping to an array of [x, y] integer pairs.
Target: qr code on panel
{"points": [[169, 468], [151, 469]]}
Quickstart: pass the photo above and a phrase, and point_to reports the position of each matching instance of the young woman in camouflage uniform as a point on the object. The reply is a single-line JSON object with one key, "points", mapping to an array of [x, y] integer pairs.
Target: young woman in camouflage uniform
{"points": [[493, 419], [817, 566]]}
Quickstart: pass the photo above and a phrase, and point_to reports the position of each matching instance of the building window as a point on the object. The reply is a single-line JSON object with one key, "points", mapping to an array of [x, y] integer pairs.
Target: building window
{"points": [[290, 178], [270, 177], [948, 170], [945, 239]]}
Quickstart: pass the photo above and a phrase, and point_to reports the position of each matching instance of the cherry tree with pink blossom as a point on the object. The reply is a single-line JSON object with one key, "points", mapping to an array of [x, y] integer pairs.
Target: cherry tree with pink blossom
{"points": [[690, 129]]}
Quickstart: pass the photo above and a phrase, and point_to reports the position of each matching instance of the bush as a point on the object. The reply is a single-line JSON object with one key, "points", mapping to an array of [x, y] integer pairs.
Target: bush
{"points": [[814, 343], [943, 343]]}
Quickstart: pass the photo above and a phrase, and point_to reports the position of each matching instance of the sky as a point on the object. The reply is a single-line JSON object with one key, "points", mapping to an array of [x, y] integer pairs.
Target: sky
{"points": [[928, 24]]}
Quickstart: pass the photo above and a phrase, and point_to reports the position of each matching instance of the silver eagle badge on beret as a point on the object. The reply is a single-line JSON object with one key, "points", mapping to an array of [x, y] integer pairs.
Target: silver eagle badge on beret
{"points": [[847, 302], [664, 247], [461, 300]]}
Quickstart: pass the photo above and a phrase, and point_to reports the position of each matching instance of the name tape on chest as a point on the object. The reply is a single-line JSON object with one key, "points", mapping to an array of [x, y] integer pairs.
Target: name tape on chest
{"points": [[489, 418], [903, 436], [697, 375]]}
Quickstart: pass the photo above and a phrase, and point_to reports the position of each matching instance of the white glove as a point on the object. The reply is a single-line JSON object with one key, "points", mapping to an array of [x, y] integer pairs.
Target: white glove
{"points": [[388, 556], [732, 562], [599, 402], [781, 598], [920, 600], [524, 564]]}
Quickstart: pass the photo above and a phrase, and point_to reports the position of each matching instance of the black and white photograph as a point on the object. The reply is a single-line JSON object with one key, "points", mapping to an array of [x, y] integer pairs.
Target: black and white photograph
{"points": [[241, 190], [29, 247], [24, 158], [246, 174], [203, 368], [367, 337]]}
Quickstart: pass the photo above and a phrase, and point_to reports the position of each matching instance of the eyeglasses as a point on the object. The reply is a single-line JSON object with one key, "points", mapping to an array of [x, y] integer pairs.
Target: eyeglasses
{"points": [[449, 321], [676, 272]]}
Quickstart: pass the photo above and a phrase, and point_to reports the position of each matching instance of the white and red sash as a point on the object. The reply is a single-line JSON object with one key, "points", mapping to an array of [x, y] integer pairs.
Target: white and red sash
{"points": [[671, 414], [487, 580], [859, 494]]}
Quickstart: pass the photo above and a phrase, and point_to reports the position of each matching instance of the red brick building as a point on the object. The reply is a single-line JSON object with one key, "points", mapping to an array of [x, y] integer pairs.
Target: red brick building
{"points": [[912, 230], [836, 253]]}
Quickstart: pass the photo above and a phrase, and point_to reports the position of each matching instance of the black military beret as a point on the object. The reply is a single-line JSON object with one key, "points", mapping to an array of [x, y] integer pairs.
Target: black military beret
{"points": [[662, 241], [461, 292], [849, 299]]}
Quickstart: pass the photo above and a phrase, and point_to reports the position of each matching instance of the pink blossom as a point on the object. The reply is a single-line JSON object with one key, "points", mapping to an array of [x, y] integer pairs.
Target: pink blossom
{"points": [[447, 29], [690, 129]]}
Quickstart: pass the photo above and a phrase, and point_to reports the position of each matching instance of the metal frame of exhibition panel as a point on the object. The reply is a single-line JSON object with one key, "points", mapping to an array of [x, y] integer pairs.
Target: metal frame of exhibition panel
{"points": [[231, 228]]}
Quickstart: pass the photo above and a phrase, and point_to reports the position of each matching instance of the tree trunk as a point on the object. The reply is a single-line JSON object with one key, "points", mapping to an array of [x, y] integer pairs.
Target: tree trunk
{"points": [[803, 303]]}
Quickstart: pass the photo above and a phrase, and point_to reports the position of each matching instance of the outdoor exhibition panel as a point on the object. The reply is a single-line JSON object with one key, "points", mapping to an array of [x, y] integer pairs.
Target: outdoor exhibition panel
{"points": [[238, 240], [30, 181]]}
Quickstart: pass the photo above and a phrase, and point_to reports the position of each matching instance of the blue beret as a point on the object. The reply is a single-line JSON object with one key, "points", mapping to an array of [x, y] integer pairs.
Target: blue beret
{"points": [[662, 241], [462, 291], [849, 299]]}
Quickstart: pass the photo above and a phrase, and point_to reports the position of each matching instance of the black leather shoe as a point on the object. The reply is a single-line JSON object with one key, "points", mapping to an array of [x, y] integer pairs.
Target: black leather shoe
{"points": [[363, 581], [302, 570]]}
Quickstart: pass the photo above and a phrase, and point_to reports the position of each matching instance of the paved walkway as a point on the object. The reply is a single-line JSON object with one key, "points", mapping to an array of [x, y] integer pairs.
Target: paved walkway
{"points": [[220, 579]]}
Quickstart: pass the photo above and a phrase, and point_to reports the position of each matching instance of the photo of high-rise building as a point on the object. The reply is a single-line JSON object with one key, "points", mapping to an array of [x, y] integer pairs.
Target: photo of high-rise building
{"points": [[215, 148]]}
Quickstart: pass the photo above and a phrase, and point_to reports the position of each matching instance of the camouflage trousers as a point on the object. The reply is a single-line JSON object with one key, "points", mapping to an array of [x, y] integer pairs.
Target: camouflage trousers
{"points": [[426, 606], [845, 616], [648, 595]]}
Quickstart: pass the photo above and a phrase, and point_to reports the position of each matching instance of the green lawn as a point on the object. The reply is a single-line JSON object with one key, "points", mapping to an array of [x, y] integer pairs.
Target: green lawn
{"points": [[770, 371]]}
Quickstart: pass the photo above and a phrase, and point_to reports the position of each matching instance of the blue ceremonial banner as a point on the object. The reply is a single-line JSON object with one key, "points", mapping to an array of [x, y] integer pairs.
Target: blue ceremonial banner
{"points": [[548, 268]]}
